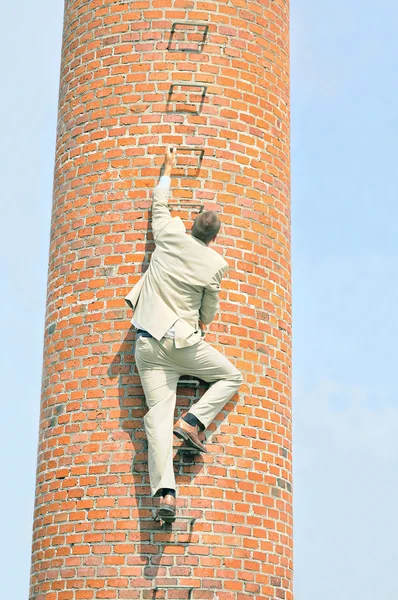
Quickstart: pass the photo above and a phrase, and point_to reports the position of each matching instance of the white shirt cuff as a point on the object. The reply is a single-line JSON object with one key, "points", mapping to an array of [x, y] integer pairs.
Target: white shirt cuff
{"points": [[164, 182]]}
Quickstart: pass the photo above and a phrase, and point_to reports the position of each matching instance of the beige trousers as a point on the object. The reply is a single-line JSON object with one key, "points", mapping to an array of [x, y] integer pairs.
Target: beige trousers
{"points": [[160, 365]]}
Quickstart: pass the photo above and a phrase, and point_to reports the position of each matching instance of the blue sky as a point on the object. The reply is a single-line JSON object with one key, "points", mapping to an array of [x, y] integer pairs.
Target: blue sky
{"points": [[345, 290]]}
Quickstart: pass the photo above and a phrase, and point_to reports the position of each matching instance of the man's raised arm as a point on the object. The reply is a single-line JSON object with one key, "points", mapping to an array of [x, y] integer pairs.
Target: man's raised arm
{"points": [[160, 211]]}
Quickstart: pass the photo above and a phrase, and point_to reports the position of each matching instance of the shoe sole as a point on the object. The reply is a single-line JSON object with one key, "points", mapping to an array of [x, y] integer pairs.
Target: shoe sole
{"points": [[180, 433], [167, 515]]}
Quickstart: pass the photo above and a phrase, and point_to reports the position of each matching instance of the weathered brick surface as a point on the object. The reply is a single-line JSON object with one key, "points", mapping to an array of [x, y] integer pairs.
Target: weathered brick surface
{"points": [[94, 536]]}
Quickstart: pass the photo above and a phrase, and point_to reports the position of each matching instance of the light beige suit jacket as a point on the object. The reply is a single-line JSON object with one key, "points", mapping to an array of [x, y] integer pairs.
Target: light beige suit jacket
{"points": [[182, 282]]}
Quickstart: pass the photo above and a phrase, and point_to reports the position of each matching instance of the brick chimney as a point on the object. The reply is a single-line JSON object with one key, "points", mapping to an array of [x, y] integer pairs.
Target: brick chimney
{"points": [[212, 80]]}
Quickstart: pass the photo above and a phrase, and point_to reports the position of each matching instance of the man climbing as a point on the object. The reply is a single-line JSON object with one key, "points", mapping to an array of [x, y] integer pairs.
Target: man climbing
{"points": [[172, 302]]}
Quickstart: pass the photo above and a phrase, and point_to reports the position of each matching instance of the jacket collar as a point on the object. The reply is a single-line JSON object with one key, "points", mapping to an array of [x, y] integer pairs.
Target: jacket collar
{"points": [[196, 240]]}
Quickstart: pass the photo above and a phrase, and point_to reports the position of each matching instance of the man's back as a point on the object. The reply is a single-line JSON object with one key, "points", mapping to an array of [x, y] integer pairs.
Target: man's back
{"points": [[182, 281]]}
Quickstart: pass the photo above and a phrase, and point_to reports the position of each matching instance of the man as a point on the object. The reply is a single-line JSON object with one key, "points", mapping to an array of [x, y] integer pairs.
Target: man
{"points": [[176, 296]]}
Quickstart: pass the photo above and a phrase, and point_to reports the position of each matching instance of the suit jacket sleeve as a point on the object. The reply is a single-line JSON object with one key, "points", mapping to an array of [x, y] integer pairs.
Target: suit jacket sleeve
{"points": [[160, 212], [210, 300]]}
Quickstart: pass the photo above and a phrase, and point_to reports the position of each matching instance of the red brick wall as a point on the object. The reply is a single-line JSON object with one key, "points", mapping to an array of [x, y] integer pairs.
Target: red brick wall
{"points": [[94, 535]]}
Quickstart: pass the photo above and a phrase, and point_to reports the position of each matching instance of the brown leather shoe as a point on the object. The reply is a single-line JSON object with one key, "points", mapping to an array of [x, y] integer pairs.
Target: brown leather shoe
{"points": [[167, 509], [189, 434]]}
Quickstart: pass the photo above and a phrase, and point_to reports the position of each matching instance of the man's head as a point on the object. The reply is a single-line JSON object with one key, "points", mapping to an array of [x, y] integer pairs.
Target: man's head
{"points": [[206, 226]]}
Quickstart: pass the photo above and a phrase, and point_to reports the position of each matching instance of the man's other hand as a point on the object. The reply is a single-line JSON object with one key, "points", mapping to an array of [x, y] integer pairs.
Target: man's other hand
{"points": [[203, 328]]}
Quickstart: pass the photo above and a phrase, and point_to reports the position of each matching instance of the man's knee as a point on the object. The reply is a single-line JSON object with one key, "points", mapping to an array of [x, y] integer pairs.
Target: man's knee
{"points": [[237, 379]]}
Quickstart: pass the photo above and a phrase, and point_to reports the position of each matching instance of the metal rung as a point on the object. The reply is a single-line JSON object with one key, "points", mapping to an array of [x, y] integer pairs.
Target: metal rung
{"points": [[196, 152], [189, 85], [175, 587], [186, 203], [186, 25], [186, 449], [193, 382], [191, 521], [170, 586], [192, 87], [164, 524]]}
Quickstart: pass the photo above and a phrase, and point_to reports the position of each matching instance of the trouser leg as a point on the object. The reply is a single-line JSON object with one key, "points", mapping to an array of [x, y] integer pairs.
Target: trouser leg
{"points": [[205, 362], [159, 383]]}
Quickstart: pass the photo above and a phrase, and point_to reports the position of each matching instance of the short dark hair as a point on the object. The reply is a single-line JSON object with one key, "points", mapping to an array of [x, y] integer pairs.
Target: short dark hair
{"points": [[206, 226]]}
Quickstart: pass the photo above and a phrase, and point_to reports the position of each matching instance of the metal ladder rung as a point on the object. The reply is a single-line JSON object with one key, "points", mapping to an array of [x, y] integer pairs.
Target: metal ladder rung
{"points": [[191, 203], [170, 586], [191, 520], [193, 382], [175, 587], [186, 449]]}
